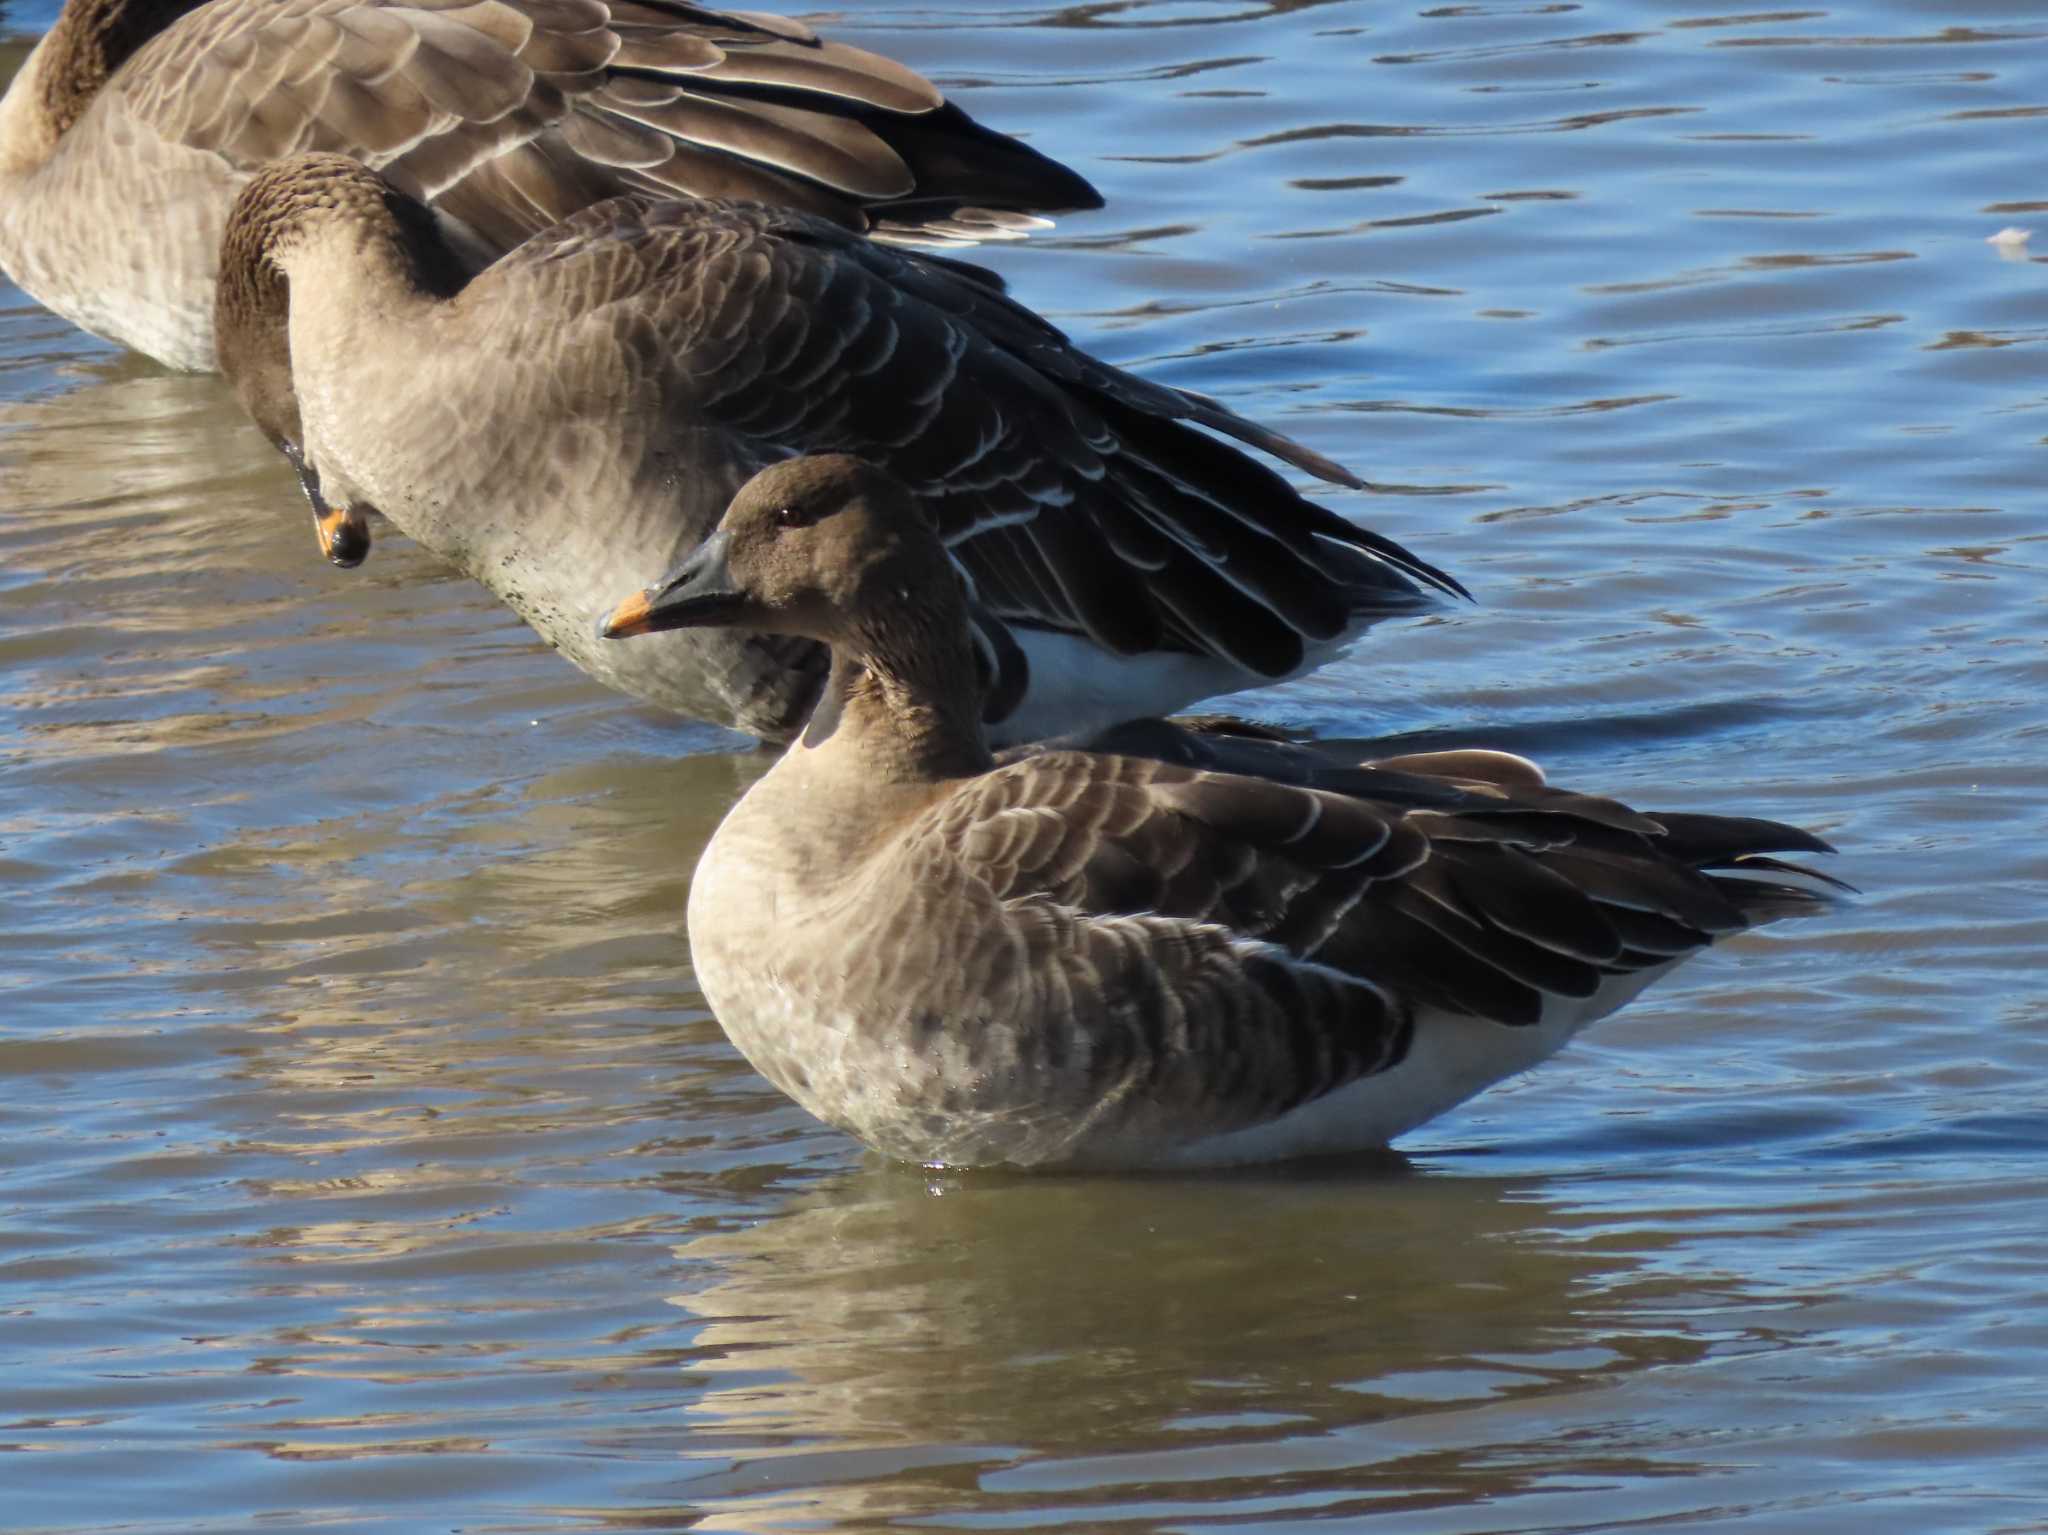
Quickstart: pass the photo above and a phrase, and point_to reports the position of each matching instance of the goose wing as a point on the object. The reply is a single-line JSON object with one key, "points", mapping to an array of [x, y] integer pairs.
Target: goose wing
{"points": [[510, 115], [1147, 933], [1056, 477], [1353, 897], [1072, 495]]}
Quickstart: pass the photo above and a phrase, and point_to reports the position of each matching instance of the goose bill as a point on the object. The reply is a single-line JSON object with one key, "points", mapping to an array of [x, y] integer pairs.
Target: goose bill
{"points": [[343, 531], [698, 593], [344, 534]]}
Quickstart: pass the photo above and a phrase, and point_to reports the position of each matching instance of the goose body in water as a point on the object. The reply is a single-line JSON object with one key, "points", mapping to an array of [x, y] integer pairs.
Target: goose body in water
{"points": [[569, 422], [127, 133], [1079, 958]]}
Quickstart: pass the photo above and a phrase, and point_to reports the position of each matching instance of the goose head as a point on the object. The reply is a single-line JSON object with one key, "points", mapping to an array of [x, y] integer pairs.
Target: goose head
{"points": [[287, 207], [825, 548]]}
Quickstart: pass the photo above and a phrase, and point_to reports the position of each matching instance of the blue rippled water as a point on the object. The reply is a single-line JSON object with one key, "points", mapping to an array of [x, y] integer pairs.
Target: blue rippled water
{"points": [[367, 1158]]}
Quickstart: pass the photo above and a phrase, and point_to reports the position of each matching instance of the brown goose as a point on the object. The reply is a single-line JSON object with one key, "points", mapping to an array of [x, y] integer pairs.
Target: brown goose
{"points": [[1084, 959], [567, 423], [127, 133]]}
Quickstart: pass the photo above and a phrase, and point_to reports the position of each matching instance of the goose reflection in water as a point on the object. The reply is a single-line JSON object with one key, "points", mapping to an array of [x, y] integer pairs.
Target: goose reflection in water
{"points": [[890, 1345]]}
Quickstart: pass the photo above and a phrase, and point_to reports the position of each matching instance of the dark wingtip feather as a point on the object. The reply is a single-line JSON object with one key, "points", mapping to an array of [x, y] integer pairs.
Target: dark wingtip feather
{"points": [[957, 161], [1709, 839], [1378, 545], [1219, 417], [1212, 491], [1800, 870]]}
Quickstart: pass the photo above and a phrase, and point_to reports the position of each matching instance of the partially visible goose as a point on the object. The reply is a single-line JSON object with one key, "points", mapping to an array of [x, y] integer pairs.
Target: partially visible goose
{"points": [[1082, 959], [569, 422], [127, 133]]}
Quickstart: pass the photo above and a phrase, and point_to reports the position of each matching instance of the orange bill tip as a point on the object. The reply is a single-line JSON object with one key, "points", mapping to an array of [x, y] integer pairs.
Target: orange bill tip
{"points": [[629, 617], [344, 535]]}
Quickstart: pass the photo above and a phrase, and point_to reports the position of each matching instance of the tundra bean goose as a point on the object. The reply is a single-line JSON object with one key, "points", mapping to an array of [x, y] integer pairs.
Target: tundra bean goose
{"points": [[127, 133], [569, 422], [1086, 959]]}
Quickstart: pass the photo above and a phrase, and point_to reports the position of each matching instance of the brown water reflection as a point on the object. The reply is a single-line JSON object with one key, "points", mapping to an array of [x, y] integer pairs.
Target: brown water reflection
{"points": [[906, 1311], [1140, 1349]]}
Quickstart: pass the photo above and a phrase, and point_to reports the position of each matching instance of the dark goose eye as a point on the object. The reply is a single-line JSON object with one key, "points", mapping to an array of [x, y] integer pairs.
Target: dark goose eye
{"points": [[792, 517]]}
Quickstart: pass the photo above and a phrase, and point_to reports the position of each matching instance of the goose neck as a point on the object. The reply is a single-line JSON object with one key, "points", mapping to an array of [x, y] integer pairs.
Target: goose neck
{"points": [[327, 235], [74, 61], [903, 699]]}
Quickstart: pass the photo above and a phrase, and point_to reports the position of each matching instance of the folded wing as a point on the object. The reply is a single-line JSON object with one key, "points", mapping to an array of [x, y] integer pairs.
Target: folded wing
{"points": [[1074, 496], [510, 115]]}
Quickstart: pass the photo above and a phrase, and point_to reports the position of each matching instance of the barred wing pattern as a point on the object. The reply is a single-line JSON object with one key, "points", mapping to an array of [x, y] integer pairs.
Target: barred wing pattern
{"points": [[1072, 495], [1268, 942], [510, 115]]}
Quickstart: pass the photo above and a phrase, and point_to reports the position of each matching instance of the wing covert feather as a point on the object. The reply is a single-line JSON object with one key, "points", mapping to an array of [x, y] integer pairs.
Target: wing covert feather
{"points": [[1061, 507], [1388, 874], [634, 95]]}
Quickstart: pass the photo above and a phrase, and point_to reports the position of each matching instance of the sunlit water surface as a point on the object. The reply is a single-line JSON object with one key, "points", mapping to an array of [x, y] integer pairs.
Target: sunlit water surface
{"points": [[370, 1161]]}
